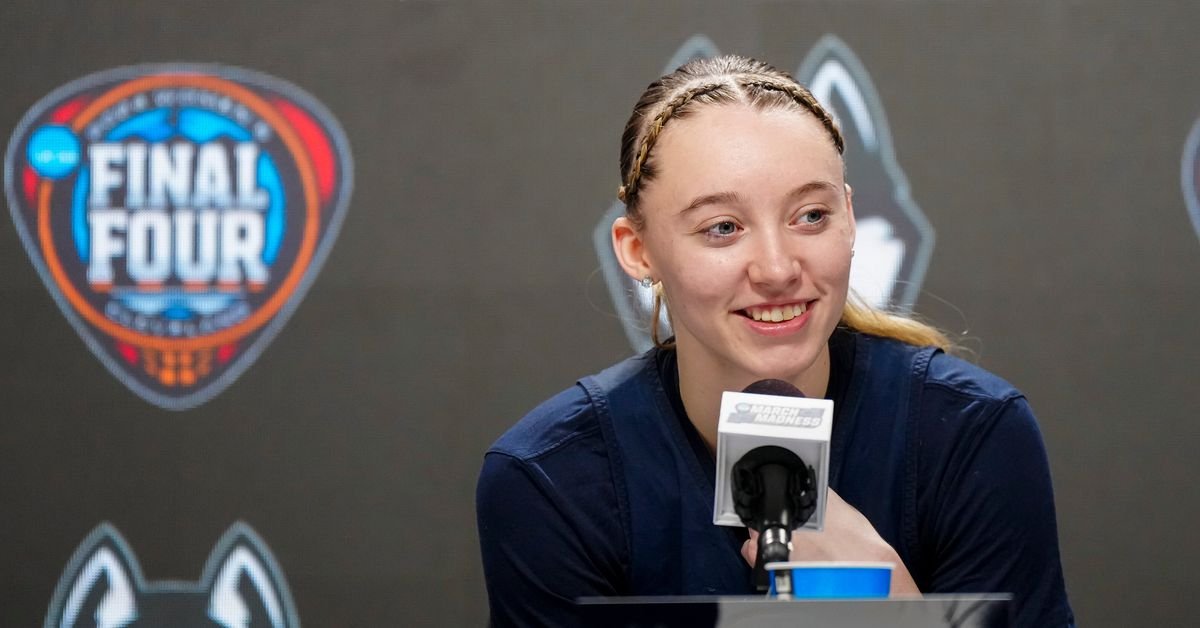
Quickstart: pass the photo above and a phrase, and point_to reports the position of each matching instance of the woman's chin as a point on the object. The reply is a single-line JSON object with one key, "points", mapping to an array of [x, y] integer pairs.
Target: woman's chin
{"points": [[794, 367]]}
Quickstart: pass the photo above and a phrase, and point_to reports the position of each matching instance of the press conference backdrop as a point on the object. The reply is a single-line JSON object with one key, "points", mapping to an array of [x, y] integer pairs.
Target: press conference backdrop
{"points": [[1026, 181]]}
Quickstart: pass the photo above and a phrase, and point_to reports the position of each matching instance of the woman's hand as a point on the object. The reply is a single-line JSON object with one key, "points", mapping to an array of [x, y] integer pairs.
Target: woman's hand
{"points": [[847, 536]]}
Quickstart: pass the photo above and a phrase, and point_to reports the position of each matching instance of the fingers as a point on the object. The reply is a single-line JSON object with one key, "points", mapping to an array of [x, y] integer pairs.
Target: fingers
{"points": [[750, 548]]}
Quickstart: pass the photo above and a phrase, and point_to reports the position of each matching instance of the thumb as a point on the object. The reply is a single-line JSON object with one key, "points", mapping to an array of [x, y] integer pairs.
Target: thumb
{"points": [[750, 548]]}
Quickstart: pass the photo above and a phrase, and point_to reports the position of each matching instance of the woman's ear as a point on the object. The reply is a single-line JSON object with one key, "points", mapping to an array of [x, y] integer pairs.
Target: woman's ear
{"points": [[630, 249], [850, 212]]}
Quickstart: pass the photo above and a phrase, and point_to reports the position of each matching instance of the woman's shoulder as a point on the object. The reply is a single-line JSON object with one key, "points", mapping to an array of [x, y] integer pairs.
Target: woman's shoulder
{"points": [[959, 397], [941, 371], [953, 403], [964, 378], [569, 416], [947, 397]]}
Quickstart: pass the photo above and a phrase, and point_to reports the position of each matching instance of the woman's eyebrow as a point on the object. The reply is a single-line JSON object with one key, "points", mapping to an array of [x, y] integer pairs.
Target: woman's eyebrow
{"points": [[717, 198], [732, 198], [813, 186]]}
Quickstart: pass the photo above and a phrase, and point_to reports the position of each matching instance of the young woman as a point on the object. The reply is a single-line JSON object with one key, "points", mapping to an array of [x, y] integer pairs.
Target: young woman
{"points": [[739, 215]]}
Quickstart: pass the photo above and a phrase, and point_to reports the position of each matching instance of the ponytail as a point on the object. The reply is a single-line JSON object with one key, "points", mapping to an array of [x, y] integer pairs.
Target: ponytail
{"points": [[863, 318]]}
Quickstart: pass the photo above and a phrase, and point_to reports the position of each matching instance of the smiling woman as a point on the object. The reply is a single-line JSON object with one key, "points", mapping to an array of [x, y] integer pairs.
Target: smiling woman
{"points": [[738, 212], [748, 212]]}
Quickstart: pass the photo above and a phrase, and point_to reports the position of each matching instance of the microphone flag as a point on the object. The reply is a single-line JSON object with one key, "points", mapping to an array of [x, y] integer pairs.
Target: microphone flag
{"points": [[748, 421]]}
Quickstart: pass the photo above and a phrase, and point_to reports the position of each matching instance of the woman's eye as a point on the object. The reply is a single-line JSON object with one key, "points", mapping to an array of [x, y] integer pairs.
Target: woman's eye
{"points": [[722, 229], [812, 217]]}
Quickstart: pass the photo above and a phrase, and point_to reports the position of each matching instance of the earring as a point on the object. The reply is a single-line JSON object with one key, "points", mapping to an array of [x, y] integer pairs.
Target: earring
{"points": [[851, 252], [646, 281]]}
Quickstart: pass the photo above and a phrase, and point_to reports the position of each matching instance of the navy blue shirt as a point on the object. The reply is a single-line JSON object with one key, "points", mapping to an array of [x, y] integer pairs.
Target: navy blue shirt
{"points": [[607, 489]]}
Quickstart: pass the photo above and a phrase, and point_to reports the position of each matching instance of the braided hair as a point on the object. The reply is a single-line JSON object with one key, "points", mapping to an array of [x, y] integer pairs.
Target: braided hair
{"points": [[719, 80]]}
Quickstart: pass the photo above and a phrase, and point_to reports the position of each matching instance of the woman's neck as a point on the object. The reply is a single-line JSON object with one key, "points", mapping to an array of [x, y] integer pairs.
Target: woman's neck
{"points": [[701, 384]]}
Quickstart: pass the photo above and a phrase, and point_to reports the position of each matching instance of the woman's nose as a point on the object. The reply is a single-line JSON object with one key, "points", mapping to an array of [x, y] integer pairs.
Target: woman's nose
{"points": [[772, 264]]}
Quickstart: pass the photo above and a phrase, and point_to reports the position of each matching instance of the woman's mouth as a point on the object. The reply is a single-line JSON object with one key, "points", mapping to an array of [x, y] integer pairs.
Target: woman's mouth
{"points": [[775, 313], [778, 320]]}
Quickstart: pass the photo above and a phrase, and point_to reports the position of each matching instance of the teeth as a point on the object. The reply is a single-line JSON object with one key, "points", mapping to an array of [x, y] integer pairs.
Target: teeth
{"points": [[777, 314]]}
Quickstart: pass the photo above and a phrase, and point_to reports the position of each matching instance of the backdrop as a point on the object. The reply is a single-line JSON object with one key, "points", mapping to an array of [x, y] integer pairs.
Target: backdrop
{"points": [[1046, 144]]}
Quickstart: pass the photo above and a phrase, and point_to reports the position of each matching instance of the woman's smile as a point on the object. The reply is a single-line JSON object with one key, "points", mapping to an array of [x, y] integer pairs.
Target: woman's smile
{"points": [[777, 320], [776, 313]]}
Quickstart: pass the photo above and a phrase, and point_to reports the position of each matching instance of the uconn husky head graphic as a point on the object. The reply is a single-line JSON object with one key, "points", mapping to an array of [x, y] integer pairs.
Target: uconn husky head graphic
{"points": [[634, 302], [177, 214], [241, 587], [1190, 175], [894, 240]]}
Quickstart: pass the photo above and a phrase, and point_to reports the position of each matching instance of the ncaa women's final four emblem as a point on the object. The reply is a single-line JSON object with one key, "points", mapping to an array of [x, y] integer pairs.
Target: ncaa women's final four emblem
{"points": [[178, 214]]}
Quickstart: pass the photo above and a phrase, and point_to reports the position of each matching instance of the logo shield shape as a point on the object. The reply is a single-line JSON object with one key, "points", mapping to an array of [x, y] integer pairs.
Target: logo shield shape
{"points": [[634, 302], [894, 240], [178, 214]]}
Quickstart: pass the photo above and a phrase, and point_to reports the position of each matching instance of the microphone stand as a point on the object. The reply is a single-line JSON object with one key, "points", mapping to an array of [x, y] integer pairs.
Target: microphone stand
{"points": [[773, 493]]}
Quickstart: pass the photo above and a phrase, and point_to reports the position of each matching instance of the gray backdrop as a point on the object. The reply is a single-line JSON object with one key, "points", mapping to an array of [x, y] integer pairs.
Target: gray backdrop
{"points": [[1042, 139]]}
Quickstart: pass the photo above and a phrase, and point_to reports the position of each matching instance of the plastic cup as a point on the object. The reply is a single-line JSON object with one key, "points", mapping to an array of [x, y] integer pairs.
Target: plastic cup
{"points": [[815, 580]]}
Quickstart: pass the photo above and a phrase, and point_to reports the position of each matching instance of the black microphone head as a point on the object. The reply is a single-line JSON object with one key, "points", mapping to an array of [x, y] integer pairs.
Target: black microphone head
{"points": [[768, 480], [776, 387]]}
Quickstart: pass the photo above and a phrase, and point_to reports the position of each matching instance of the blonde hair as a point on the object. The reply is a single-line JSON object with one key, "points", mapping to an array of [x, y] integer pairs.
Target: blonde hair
{"points": [[861, 317], [725, 80]]}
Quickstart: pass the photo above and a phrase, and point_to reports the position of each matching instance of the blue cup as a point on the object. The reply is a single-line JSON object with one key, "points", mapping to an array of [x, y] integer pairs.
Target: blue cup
{"points": [[815, 580]]}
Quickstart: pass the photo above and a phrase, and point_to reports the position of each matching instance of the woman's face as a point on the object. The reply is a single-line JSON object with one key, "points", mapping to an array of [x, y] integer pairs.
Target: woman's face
{"points": [[749, 227]]}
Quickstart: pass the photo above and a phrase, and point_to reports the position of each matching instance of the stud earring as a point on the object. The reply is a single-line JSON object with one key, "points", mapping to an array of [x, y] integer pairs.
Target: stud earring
{"points": [[851, 252], [646, 281]]}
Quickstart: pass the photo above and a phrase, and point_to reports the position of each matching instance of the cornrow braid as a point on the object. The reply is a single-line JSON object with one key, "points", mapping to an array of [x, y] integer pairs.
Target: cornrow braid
{"points": [[713, 81], [628, 191], [805, 99]]}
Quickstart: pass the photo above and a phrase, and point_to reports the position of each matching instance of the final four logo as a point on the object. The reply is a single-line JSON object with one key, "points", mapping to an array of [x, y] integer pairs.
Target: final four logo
{"points": [[178, 214]]}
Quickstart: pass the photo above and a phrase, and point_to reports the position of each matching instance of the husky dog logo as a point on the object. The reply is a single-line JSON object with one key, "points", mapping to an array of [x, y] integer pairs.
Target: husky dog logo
{"points": [[241, 587], [634, 302], [1190, 175], [178, 215], [894, 238]]}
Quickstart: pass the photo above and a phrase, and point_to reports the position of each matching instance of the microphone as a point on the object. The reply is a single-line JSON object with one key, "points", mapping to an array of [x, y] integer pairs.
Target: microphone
{"points": [[772, 467]]}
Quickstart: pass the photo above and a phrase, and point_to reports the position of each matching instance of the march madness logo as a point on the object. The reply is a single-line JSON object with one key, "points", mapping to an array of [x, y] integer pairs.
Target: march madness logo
{"points": [[241, 587], [894, 239], [178, 214]]}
